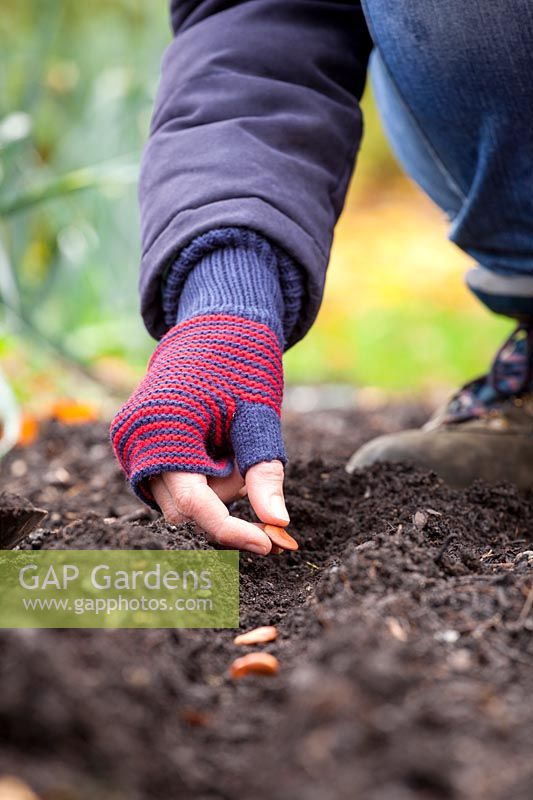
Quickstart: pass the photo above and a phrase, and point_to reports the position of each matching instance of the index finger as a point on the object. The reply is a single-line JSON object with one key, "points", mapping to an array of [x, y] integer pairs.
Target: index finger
{"points": [[195, 499]]}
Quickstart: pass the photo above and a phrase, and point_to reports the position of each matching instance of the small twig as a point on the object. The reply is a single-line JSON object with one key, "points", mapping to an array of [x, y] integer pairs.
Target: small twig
{"points": [[526, 608], [511, 653], [444, 546], [484, 626]]}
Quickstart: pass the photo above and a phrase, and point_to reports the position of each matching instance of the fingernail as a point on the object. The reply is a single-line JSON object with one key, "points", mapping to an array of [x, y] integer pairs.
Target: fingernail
{"points": [[260, 549], [278, 507]]}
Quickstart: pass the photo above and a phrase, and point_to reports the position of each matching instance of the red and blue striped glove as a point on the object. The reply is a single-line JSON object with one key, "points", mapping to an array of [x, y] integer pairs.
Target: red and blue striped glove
{"points": [[212, 394], [213, 390]]}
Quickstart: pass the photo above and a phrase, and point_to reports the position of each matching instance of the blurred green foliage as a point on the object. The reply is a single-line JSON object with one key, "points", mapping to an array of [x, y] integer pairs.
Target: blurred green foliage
{"points": [[77, 82]]}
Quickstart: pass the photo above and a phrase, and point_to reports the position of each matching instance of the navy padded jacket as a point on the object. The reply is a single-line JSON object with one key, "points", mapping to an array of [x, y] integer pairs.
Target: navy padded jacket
{"points": [[256, 125]]}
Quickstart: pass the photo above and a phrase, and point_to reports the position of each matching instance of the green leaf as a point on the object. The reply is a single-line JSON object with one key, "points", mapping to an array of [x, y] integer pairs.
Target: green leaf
{"points": [[96, 177]]}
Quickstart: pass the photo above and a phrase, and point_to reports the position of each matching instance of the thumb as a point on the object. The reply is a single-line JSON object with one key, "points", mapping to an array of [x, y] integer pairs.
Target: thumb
{"points": [[264, 483], [260, 455]]}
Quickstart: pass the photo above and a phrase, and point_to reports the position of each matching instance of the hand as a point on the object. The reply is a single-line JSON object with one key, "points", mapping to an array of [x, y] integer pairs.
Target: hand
{"points": [[207, 413], [184, 496]]}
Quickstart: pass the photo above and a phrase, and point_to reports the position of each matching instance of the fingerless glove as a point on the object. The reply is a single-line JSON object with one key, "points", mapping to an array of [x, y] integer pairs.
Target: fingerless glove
{"points": [[213, 389]]}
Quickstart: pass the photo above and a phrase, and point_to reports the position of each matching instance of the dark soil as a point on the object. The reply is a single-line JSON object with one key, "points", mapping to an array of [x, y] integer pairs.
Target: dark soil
{"points": [[405, 645], [18, 517]]}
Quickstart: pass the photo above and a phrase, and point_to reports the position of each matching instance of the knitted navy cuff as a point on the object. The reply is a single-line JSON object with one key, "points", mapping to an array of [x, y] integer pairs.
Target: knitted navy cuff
{"points": [[239, 280], [236, 271]]}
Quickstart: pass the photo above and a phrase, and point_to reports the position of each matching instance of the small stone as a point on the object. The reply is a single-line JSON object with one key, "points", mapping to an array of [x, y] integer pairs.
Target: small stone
{"points": [[137, 676], [448, 636], [460, 660], [58, 476], [420, 520], [396, 629], [19, 468], [525, 555]]}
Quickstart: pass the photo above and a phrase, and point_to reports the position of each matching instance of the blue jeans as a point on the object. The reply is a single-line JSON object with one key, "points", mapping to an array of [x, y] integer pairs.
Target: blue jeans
{"points": [[467, 140]]}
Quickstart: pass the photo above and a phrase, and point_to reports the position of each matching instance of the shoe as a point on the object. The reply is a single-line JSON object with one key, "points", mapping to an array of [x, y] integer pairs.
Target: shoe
{"points": [[484, 431]]}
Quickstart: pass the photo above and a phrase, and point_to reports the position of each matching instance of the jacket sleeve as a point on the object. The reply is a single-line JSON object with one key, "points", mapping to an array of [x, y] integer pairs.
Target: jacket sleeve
{"points": [[256, 125]]}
